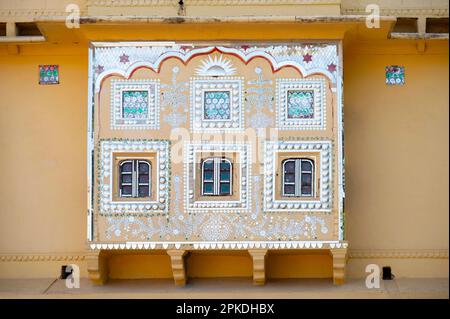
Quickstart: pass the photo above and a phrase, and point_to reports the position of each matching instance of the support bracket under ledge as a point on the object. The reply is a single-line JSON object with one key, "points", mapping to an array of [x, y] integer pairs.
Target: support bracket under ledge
{"points": [[339, 262], [178, 266], [97, 267], [259, 265]]}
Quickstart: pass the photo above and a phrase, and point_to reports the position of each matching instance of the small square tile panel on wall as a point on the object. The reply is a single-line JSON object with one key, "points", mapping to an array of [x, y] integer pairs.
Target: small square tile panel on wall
{"points": [[48, 74], [395, 75]]}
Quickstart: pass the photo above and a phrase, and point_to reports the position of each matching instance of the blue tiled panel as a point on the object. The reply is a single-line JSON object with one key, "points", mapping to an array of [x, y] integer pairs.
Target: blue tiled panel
{"points": [[217, 105], [300, 104], [135, 104]]}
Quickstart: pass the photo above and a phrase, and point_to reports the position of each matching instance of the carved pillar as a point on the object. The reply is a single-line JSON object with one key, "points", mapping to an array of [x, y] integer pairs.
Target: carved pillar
{"points": [[259, 265], [339, 261], [97, 266], [178, 266]]}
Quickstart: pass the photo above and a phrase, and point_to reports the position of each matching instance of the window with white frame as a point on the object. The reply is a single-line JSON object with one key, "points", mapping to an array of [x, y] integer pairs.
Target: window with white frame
{"points": [[134, 178], [216, 176], [298, 177]]}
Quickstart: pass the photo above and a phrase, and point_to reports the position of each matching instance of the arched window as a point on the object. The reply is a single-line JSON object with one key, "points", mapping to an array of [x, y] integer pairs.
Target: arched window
{"points": [[134, 178], [217, 176], [298, 177]]}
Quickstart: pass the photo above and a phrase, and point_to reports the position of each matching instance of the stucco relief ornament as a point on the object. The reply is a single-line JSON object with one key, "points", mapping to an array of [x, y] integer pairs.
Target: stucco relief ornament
{"points": [[261, 95], [175, 119], [107, 59], [173, 95], [124, 58], [216, 226], [99, 69], [307, 58], [216, 66]]}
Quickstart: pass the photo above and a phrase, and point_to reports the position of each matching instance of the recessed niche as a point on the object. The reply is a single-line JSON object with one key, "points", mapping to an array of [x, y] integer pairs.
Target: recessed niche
{"points": [[406, 25], [437, 25]]}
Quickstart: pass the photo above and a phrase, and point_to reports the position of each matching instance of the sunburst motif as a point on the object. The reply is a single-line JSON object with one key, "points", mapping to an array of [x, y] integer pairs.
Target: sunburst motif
{"points": [[216, 66]]}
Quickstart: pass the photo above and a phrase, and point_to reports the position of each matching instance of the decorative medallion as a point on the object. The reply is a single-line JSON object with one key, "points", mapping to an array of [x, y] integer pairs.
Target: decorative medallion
{"points": [[216, 66]]}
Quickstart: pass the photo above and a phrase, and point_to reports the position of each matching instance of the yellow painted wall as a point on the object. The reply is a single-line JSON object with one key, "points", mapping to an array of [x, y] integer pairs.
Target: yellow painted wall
{"points": [[396, 142]]}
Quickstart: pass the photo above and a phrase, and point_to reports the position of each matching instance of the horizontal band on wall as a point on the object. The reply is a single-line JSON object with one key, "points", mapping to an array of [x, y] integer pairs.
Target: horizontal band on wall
{"points": [[353, 254], [37, 257], [399, 254], [139, 3]]}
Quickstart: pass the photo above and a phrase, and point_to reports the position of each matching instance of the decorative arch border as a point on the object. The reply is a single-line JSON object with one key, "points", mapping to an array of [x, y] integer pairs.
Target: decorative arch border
{"points": [[186, 57]]}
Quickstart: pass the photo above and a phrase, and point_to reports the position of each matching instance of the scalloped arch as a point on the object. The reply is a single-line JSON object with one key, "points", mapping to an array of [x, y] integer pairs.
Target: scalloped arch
{"points": [[186, 57]]}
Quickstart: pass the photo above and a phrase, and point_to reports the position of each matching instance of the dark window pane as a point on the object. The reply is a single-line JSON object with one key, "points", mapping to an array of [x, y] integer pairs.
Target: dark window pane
{"points": [[225, 188], [126, 178], [306, 179], [306, 190], [208, 165], [143, 167], [289, 189], [126, 167], [289, 177], [306, 166], [143, 178], [224, 166], [208, 188], [126, 190], [289, 167], [208, 175], [143, 191], [225, 176]]}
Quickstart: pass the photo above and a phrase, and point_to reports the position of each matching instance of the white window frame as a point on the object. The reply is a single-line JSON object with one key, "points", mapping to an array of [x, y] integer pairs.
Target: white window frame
{"points": [[135, 185], [216, 180], [298, 172]]}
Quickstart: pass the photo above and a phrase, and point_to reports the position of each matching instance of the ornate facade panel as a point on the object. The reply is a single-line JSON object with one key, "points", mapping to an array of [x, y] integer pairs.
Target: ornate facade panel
{"points": [[177, 106]]}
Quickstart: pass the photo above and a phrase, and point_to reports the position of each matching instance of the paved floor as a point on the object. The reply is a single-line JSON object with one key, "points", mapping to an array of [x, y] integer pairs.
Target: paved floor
{"points": [[225, 288]]}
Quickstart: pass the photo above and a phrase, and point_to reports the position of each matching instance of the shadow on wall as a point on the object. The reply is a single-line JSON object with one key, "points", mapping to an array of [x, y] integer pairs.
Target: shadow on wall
{"points": [[220, 264]]}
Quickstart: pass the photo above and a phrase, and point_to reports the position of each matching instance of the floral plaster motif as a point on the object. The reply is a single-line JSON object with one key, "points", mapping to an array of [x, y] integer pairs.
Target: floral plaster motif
{"points": [[174, 95]]}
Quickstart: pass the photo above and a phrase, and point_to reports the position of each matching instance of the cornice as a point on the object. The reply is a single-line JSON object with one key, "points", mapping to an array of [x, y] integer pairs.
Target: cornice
{"points": [[138, 3], [353, 254], [400, 12], [33, 13]]}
